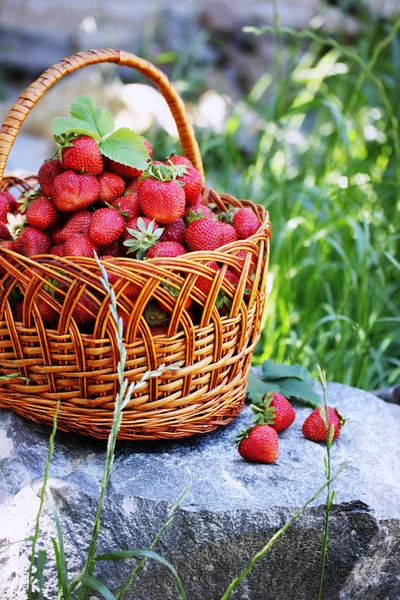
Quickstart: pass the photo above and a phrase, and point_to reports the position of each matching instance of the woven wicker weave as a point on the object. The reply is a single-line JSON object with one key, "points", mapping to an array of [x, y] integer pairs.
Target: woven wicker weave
{"points": [[79, 369]]}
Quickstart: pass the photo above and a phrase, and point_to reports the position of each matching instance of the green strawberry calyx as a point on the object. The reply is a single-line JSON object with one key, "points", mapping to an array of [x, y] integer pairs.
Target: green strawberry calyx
{"points": [[143, 239], [264, 413], [194, 215], [27, 197], [242, 435], [227, 216], [165, 173]]}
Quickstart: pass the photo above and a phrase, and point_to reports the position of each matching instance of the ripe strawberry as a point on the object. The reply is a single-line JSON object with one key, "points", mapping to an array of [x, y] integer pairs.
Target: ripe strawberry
{"points": [[47, 174], [112, 250], [12, 202], [231, 277], [163, 201], [85, 311], [48, 313], [228, 233], [174, 232], [106, 226], [132, 186], [179, 160], [203, 234], [123, 170], [73, 192], [41, 213], [275, 410], [82, 155], [241, 255], [128, 205], [58, 250], [32, 241], [4, 209], [165, 249], [203, 283], [245, 222], [111, 186], [4, 232], [79, 244], [193, 184], [141, 233], [314, 427], [56, 235], [159, 330], [193, 213], [78, 223], [17, 311], [259, 444]]}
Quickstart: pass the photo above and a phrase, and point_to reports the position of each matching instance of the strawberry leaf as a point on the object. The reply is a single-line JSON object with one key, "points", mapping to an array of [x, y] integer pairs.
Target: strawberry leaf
{"points": [[98, 120], [65, 125], [126, 147]]}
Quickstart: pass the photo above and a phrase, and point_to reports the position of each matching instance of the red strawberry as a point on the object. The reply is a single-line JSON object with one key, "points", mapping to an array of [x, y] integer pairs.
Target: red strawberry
{"points": [[41, 213], [242, 254], [231, 277], [193, 184], [128, 205], [163, 201], [165, 249], [47, 174], [56, 235], [4, 209], [85, 311], [77, 223], [314, 427], [275, 410], [132, 186], [123, 170], [259, 444], [193, 213], [58, 250], [106, 226], [4, 232], [79, 244], [112, 250], [203, 283], [228, 233], [203, 234], [83, 156], [245, 222], [179, 160], [48, 313], [12, 202], [131, 291], [17, 311], [111, 186], [73, 192], [174, 232], [32, 241], [159, 330]]}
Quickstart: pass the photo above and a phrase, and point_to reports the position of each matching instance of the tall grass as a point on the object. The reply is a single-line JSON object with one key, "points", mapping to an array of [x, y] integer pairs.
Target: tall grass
{"points": [[320, 148]]}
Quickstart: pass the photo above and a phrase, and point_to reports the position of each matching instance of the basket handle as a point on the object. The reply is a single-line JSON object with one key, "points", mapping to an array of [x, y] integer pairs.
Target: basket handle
{"points": [[36, 90]]}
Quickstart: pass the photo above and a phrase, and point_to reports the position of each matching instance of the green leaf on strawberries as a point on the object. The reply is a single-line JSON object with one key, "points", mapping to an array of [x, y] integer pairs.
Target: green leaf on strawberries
{"points": [[99, 119], [62, 126], [126, 147], [272, 370]]}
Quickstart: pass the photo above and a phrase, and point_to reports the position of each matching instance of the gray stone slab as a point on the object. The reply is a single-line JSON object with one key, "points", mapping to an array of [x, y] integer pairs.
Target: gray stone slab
{"points": [[233, 507]]}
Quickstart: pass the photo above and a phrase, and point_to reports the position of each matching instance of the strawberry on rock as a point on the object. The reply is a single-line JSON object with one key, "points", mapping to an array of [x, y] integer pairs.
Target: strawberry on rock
{"points": [[73, 192], [259, 444], [106, 226], [82, 155], [314, 428], [47, 174], [274, 410]]}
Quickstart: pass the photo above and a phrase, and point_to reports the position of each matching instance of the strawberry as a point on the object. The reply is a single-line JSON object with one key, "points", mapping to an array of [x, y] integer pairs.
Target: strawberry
{"points": [[85, 311], [106, 226], [82, 155], [112, 250], [314, 427], [41, 213], [4, 209], [193, 184], [47, 174], [12, 202], [48, 313], [132, 186], [275, 410], [7, 245], [79, 244], [58, 250], [123, 170], [165, 249], [228, 233], [231, 277], [193, 213], [203, 283], [128, 206], [179, 160], [131, 291], [242, 254], [163, 201], [174, 232], [259, 444], [73, 192], [111, 186], [203, 234], [17, 311], [154, 315], [159, 330], [4, 232], [32, 241], [245, 222], [140, 235], [78, 223]]}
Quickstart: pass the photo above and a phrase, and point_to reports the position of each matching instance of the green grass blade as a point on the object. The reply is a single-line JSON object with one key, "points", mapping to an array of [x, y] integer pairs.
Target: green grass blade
{"points": [[39, 576], [62, 569], [92, 583]]}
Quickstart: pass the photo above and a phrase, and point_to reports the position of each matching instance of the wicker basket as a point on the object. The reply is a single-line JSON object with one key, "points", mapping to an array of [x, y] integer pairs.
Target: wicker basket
{"points": [[80, 369]]}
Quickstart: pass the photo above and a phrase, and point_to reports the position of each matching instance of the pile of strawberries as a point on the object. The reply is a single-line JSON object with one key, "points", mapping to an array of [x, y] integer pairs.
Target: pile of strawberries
{"points": [[90, 203], [274, 414]]}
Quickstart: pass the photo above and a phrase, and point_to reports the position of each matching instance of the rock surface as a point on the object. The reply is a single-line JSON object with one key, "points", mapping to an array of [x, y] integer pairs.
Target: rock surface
{"points": [[232, 508]]}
